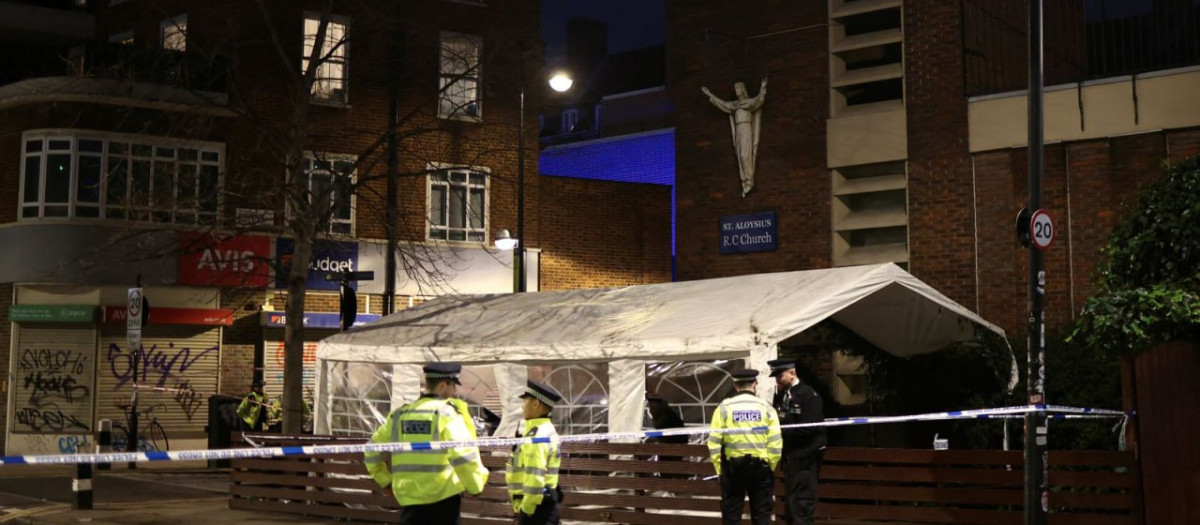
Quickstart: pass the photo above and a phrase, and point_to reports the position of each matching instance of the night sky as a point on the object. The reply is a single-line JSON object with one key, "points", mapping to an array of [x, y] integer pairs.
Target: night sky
{"points": [[632, 24]]}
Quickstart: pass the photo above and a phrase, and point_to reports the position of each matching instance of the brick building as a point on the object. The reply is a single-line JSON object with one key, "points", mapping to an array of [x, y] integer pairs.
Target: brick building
{"points": [[145, 140], [894, 130]]}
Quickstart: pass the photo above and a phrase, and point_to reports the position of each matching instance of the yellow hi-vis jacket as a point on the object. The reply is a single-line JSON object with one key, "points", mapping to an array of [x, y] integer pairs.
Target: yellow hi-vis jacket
{"points": [[465, 411], [745, 411], [251, 407], [422, 477], [532, 471]]}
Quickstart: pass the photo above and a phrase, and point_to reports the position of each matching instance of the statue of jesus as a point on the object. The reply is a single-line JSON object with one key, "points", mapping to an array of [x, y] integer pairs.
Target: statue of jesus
{"points": [[744, 121]]}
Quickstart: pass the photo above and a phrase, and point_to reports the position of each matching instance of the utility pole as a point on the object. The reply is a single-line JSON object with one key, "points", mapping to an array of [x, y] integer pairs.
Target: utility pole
{"points": [[1036, 431]]}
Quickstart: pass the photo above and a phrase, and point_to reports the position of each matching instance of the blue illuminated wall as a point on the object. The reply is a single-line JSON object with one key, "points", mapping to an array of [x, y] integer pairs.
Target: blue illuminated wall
{"points": [[642, 157]]}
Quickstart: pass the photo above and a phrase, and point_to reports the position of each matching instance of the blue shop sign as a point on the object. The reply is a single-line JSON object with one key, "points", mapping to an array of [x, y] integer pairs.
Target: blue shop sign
{"points": [[753, 232], [327, 257], [315, 320]]}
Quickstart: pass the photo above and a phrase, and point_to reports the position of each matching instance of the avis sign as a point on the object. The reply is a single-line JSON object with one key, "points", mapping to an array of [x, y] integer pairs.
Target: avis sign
{"points": [[233, 262]]}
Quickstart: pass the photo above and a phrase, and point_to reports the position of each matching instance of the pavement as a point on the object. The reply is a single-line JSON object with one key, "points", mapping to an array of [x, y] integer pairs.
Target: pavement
{"points": [[149, 495]]}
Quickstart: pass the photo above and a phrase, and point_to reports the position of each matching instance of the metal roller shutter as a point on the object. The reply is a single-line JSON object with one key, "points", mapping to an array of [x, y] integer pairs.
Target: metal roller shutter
{"points": [[184, 358], [273, 362], [53, 383]]}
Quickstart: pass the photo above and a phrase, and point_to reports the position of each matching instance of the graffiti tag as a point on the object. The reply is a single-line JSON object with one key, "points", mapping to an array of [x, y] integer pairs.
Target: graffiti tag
{"points": [[73, 445], [51, 386], [187, 398], [153, 362], [49, 418]]}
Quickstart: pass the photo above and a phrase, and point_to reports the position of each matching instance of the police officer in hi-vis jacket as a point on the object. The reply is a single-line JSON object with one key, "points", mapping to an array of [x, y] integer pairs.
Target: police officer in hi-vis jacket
{"points": [[803, 448], [532, 471], [429, 484], [745, 461]]}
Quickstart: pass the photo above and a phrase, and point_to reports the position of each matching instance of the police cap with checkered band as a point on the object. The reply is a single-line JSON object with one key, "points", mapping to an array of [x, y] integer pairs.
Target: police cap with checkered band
{"points": [[542, 392], [745, 376], [437, 371]]}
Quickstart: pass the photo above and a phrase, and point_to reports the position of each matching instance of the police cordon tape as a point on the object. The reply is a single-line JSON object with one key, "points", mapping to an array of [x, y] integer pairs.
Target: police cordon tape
{"points": [[190, 391], [268, 452]]}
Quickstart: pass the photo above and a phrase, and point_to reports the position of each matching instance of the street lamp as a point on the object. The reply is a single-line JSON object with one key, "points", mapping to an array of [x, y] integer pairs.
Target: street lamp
{"points": [[559, 82]]}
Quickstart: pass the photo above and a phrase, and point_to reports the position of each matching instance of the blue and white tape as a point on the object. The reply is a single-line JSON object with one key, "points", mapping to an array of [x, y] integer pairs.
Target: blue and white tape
{"points": [[269, 452]]}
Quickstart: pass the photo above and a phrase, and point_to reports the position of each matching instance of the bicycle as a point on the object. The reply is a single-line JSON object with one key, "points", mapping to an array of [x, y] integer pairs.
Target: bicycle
{"points": [[152, 438]]}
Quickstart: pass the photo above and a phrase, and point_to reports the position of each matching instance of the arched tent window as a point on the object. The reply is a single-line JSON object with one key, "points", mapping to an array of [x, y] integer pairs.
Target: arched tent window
{"points": [[584, 408], [693, 389], [360, 397]]}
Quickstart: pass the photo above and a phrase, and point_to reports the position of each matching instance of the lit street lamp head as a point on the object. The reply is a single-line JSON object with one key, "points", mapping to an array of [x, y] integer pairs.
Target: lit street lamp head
{"points": [[505, 241], [561, 81]]}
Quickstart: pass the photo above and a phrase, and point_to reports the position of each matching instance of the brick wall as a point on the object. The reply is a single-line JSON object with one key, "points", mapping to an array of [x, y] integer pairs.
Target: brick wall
{"points": [[237, 369], [790, 46], [602, 233], [940, 216], [1087, 186]]}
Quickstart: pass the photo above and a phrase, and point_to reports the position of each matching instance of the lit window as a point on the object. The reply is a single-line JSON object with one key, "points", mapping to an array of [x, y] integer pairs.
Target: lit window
{"points": [[120, 177], [330, 178], [458, 204], [459, 86], [173, 33], [329, 79]]}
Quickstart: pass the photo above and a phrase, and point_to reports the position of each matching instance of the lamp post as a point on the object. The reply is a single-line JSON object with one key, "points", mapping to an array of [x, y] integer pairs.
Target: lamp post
{"points": [[559, 82]]}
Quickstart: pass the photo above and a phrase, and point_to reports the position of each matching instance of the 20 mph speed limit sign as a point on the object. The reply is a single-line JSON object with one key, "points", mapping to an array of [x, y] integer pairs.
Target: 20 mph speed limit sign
{"points": [[1041, 230]]}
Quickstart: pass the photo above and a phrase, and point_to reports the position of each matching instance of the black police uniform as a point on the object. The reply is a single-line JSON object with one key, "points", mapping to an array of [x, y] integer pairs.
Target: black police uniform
{"points": [[803, 448]]}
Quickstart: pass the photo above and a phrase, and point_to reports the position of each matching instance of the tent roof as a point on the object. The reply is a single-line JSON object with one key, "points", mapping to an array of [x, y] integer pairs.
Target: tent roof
{"points": [[710, 318]]}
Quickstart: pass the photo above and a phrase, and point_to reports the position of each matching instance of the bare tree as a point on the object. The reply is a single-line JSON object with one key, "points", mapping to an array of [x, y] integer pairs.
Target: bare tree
{"points": [[284, 79]]}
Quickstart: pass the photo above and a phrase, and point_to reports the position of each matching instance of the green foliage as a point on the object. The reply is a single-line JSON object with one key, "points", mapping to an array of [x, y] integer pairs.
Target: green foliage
{"points": [[1079, 376], [1149, 283]]}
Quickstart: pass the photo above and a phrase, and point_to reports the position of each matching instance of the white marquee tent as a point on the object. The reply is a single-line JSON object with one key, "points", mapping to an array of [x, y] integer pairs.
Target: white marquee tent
{"points": [[624, 329]]}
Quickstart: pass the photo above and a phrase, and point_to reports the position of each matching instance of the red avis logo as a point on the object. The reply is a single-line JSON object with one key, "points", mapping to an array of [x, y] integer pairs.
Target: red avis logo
{"points": [[236, 261], [232, 260]]}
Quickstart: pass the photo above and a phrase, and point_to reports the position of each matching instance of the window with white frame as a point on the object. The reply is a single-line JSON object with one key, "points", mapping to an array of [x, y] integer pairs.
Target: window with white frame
{"points": [[458, 204], [172, 33], [459, 86], [570, 118], [124, 177], [329, 81], [331, 177]]}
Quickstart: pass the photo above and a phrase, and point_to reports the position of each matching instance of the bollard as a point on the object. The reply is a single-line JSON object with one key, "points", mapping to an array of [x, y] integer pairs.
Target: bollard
{"points": [[82, 486], [104, 442]]}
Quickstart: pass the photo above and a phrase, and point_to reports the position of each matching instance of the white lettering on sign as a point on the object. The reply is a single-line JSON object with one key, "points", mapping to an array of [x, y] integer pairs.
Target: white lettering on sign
{"points": [[746, 239], [234, 260], [329, 264], [746, 416]]}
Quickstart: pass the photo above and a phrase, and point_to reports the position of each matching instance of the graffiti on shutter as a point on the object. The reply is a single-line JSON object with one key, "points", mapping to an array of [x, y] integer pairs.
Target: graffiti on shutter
{"points": [[54, 380], [183, 359]]}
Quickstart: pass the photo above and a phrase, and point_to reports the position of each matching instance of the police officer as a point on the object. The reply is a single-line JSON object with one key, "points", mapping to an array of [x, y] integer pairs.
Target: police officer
{"points": [[253, 410], [532, 471], [803, 448], [745, 461], [429, 484]]}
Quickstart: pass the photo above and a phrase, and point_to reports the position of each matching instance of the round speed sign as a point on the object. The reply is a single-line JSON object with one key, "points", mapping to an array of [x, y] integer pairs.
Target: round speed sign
{"points": [[1041, 230]]}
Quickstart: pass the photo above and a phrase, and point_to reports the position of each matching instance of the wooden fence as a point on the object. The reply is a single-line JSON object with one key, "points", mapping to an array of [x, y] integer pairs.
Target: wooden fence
{"points": [[665, 485]]}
